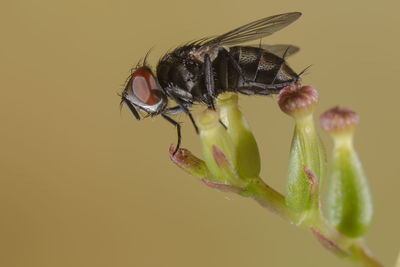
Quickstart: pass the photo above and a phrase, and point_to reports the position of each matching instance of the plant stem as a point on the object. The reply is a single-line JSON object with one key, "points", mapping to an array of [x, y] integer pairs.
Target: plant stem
{"points": [[326, 234], [364, 255], [269, 198]]}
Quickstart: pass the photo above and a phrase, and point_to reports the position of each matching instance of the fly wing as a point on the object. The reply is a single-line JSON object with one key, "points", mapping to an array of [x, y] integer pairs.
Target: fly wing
{"points": [[252, 31], [280, 50]]}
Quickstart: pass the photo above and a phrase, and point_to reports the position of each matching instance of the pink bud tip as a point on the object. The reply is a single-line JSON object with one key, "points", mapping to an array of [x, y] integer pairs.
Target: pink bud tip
{"points": [[338, 119], [185, 159], [295, 98]]}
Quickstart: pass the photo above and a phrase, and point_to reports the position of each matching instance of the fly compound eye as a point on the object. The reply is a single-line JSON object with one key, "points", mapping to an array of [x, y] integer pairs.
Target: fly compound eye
{"points": [[145, 87]]}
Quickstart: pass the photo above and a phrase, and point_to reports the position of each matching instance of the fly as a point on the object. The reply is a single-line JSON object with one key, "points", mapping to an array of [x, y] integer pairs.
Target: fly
{"points": [[198, 72]]}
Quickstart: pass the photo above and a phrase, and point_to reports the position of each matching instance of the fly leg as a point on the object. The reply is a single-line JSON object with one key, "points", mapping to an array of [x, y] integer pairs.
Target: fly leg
{"points": [[259, 55], [280, 65], [173, 110], [235, 64], [266, 89], [210, 84], [130, 106], [237, 67], [278, 69], [178, 129], [209, 76], [184, 109], [209, 80]]}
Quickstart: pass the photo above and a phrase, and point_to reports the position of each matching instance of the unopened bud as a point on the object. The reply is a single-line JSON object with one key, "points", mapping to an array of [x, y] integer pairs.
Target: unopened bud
{"points": [[218, 149], [247, 155], [339, 121], [297, 100], [185, 160], [306, 149], [348, 204]]}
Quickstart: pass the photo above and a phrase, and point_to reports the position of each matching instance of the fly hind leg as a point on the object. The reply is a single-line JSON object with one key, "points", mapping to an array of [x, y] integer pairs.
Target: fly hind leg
{"points": [[209, 82], [238, 68]]}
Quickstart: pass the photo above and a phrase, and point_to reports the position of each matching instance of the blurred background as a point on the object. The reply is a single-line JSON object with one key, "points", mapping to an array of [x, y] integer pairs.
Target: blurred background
{"points": [[82, 184]]}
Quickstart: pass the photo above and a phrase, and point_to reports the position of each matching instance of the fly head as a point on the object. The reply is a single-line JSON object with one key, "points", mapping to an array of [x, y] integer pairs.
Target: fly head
{"points": [[143, 92]]}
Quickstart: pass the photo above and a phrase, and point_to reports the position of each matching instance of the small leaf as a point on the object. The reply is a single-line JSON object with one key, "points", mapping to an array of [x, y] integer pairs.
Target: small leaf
{"points": [[222, 187]]}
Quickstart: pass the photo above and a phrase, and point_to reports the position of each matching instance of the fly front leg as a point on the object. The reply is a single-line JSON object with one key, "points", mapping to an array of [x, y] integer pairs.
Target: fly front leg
{"points": [[182, 106], [174, 110], [126, 102], [178, 129]]}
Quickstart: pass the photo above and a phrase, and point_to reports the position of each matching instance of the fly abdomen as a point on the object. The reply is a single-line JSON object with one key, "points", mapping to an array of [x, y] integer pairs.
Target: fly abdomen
{"points": [[257, 71]]}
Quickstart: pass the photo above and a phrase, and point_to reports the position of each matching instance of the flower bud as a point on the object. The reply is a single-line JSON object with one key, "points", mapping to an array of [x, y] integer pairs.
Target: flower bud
{"points": [[339, 121], [306, 150], [218, 149], [185, 160], [247, 155], [298, 101], [348, 204]]}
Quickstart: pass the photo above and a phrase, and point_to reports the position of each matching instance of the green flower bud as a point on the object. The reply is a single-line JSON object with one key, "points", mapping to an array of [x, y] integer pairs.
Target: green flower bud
{"points": [[247, 155], [218, 149], [306, 150], [348, 204], [185, 160]]}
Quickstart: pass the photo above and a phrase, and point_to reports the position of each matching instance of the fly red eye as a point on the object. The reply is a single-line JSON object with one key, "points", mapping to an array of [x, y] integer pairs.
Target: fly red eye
{"points": [[144, 86]]}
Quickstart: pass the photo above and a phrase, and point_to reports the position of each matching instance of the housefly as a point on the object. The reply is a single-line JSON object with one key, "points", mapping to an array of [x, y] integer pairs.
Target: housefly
{"points": [[198, 72]]}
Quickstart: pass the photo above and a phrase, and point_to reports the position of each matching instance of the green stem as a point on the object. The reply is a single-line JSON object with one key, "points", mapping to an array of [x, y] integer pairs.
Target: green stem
{"points": [[269, 198], [364, 255], [326, 234]]}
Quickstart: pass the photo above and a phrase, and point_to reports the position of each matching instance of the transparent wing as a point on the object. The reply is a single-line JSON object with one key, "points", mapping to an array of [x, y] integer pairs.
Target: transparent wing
{"points": [[280, 49], [252, 31]]}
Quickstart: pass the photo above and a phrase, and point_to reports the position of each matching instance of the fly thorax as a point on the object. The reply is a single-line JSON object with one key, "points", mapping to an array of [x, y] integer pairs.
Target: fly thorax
{"points": [[199, 54]]}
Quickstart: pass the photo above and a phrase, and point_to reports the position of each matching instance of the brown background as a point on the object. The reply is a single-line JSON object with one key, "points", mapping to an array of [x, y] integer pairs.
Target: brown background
{"points": [[82, 185]]}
